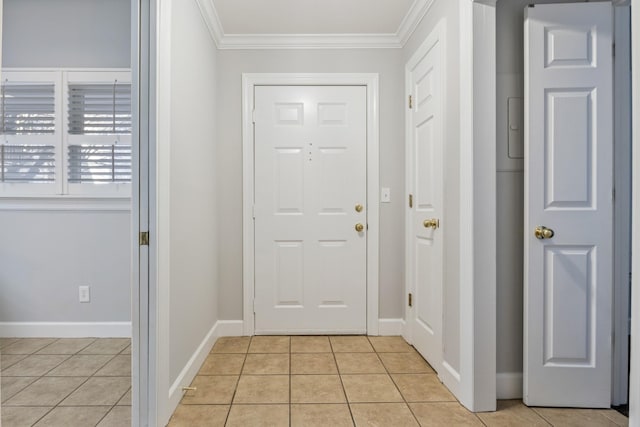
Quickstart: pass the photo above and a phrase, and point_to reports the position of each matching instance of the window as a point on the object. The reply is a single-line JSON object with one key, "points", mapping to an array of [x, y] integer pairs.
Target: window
{"points": [[65, 133]]}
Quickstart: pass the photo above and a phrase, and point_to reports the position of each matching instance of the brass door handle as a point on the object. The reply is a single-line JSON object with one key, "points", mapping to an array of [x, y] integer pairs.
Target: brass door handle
{"points": [[431, 223], [359, 227], [541, 232]]}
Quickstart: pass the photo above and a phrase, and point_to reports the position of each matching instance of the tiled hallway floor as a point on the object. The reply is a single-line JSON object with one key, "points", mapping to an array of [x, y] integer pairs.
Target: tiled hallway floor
{"points": [[342, 381], [65, 382]]}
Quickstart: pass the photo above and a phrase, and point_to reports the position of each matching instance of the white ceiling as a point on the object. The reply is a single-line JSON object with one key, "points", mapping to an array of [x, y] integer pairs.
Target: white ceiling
{"points": [[311, 24], [311, 16]]}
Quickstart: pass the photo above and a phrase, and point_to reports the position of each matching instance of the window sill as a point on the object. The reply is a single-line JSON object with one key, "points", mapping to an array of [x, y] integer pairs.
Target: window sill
{"points": [[65, 203]]}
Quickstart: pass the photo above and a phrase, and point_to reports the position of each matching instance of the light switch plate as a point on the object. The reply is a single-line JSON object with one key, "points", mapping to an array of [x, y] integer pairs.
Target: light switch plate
{"points": [[385, 195]]}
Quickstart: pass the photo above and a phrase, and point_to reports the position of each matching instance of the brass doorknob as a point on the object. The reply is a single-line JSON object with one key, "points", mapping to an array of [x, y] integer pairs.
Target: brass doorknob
{"points": [[541, 232], [359, 227], [431, 223], [359, 207]]}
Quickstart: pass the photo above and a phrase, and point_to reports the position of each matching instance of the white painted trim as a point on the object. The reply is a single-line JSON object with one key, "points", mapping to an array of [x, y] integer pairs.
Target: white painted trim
{"points": [[391, 327], [373, 180], [229, 328], [410, 22], [509, 385], [159, 216], [309, 41], [634, 386], [65, 204], [65, 329], [477, 387], [622, 204], [211, 20], [189, 371], [396, 40]]}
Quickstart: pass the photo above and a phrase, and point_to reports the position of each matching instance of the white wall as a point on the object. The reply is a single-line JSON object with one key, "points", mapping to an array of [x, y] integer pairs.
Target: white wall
{"points": [[449, 11], [183, 202], [46, 253], [66, 33], [388, 64], [193, 240]]}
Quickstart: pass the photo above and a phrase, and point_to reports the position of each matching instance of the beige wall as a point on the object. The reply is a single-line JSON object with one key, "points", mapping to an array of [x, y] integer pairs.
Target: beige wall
{"points": [[388, 64]]}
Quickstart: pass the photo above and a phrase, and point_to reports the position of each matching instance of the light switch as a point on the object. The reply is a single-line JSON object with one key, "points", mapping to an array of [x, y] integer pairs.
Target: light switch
{"points": [[385, 195], [516, 128]]}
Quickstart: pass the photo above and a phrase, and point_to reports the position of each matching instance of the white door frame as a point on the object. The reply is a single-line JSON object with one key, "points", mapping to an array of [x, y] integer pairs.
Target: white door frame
{"points": [[474, 384], [249, 81]]}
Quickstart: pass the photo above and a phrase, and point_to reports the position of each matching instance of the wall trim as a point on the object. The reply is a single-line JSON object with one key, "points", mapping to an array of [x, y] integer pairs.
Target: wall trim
{"points": [[230, 328], [509, 385], [370, 80], [477, 206], [396, 40], [391, 327], [65, 329]]}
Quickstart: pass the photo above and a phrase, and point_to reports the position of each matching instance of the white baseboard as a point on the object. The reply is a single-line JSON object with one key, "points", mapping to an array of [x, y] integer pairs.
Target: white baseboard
{"points": [[509, 385], [390, 327], [65, 329], [222, 328], [230, 328]]}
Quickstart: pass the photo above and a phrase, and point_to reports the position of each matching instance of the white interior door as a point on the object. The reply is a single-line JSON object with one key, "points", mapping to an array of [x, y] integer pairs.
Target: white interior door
{"points": [[310, 209], [568, 205], [425, 184]]}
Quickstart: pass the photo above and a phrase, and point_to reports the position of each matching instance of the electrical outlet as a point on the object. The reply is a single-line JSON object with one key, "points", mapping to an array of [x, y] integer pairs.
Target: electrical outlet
{"points": [[84, 295]]}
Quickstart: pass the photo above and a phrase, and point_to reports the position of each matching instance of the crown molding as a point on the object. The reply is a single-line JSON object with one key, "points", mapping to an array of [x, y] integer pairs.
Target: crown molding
{"points": [[211, 19], [309, 41], [410, 22], [417, 11]]}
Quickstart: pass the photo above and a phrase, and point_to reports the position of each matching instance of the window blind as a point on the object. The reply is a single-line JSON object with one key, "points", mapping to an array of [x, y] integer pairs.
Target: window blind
{"points": [[27, 163], [100, 109], [27, 109], [91, 163]]}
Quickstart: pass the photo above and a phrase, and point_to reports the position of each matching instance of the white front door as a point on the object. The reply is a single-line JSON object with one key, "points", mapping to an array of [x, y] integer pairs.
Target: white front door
{"points": [[310, 209], [425, 146], [568, 205]]}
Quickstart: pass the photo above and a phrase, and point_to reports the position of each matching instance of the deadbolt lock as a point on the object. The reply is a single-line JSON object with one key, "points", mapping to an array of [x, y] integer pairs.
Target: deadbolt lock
{"points": [[359, 227], [359, 207]]}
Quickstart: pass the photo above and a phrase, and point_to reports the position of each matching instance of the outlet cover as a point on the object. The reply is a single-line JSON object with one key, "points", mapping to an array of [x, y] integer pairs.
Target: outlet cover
{"points": [[84, 294]]}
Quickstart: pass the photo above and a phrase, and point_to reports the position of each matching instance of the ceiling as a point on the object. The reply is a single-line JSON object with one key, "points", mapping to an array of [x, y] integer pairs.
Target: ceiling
{"points": [[255, 24], [311, 16]]}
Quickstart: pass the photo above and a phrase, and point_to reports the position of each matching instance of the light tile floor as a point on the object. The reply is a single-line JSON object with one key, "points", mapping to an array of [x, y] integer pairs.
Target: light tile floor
{"points": [[65, 382], [342, 381]]}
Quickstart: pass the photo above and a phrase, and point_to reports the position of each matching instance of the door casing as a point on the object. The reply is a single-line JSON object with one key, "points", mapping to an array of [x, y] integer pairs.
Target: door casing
{"points": [[249, 81]]}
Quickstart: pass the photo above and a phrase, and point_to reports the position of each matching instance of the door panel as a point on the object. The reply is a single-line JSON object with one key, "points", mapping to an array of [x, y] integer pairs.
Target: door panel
{"points": [[568, 189], [425, 148], [310, 173]]}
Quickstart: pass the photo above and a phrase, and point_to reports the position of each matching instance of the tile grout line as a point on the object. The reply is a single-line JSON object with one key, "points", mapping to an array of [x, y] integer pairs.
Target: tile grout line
{"points": [[395, 385], [344, 391], [235, 390]]}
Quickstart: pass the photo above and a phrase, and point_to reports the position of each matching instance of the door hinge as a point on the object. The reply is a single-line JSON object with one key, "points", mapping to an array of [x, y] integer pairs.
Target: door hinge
{"points": [[254, 306], [613, 50], [410, 101], [410, 300], [253, 116], [253, 211], [410, 200], [144, 238]]}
